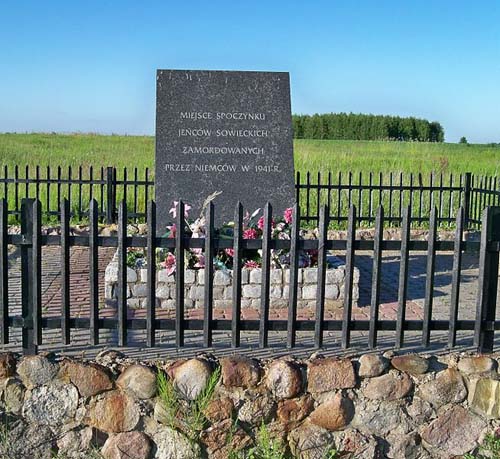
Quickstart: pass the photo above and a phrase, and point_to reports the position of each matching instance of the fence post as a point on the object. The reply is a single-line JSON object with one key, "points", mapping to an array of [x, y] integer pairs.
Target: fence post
{"points": [[484, 329], [27, 283], [110, 194], [466, 198]]}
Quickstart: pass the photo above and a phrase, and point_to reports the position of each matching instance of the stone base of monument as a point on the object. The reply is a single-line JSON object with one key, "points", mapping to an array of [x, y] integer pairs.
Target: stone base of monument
{"points": [[223, 290]]}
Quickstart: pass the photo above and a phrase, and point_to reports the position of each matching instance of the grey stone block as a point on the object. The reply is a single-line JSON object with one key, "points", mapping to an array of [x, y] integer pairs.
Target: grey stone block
{"points": [[287, 275], [310, 275], [222, 278], [251, 291], [134, 303], [197, 292], [200, 276], [109, 291], [163, 292], [111, 273], [168, 304], [145, 301], [276, 292], [335, 276], [331, 292], [189, 276], [140, 290], [228, 293], [162, 276], [286, 292], [276, 276], [246, 303], [255, 276], [309, 292]]}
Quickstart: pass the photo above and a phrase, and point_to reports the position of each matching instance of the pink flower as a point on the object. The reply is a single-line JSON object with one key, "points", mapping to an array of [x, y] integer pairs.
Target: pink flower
{"points": [[260, 223], [229, 252], [169, 263], [250, 233], [251, 264], [200, 263], [172, 229], [173, 210], [287, 215]]}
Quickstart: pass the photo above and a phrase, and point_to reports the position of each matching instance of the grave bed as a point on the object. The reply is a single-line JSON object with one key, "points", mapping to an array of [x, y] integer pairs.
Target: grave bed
{"points": [[222, 292]]}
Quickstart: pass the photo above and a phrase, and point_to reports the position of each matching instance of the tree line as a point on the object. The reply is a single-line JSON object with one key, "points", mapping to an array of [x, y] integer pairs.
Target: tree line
{"points": [[351, 126]]}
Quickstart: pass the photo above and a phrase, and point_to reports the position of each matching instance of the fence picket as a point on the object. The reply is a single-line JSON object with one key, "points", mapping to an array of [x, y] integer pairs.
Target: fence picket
{"points": [[4, 272], [65, 273], [321, 277], [488, 282], [429, 282], [122, 274], [179, 272], [293, 272], [403, 278], [151, 276], [349, 278], [209, 276], [266, 276], [36, 272], [237, 266], [94, 271], [455, 281], [376, 271]]}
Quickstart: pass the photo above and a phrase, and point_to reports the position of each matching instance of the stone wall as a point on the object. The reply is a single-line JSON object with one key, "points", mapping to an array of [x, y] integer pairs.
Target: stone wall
{"points": [[251, 286], [375, 406]]}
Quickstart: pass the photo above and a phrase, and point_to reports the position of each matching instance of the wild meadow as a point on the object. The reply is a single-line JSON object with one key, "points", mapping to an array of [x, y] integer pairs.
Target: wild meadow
{"points": [[81, 152]]}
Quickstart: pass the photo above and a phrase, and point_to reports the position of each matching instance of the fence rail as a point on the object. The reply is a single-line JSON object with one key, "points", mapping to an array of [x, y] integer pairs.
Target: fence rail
{"points": [[32, 320], [338, 192]]}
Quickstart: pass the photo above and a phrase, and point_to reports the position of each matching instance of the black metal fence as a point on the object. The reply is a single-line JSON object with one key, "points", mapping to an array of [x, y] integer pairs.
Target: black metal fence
{"points": [[338, 191], [32, 320]]}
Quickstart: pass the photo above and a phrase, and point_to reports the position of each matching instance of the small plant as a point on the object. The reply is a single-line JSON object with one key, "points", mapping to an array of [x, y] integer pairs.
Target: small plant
{"points": [[188, 416], [332, 453], [168, 397], [135, 258], [93, 453], [267, 447], [489, 449]]}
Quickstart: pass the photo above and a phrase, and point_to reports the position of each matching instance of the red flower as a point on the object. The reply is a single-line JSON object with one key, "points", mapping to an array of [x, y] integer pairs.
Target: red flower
{"points": [[250, 233], [251, 264], [287, 215], [260, 223]]}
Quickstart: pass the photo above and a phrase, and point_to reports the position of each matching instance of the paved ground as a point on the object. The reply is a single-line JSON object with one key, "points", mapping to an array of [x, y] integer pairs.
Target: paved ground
{"points": [[51, 282]]}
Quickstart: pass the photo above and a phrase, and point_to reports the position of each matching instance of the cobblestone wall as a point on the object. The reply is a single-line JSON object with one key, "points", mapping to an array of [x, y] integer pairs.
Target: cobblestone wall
{"points": [[374, 406], [251, 286]]}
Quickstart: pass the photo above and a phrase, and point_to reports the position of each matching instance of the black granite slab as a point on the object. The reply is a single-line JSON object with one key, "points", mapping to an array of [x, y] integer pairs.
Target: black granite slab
{"points": [[222, 131]]}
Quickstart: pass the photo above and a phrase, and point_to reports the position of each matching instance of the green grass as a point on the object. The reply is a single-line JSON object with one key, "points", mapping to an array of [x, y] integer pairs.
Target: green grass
{"points": [[489, 449], [188, 416], [406, 157], [315, 156], [310, 155]]}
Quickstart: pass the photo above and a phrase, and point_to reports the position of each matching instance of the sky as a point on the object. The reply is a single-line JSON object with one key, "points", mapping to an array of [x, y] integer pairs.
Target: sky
{"points": [[90, 66]]}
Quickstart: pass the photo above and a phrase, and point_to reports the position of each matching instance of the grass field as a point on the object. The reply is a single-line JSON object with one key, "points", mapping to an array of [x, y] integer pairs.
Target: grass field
{"points": [[86, 150], [310, 155]]}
